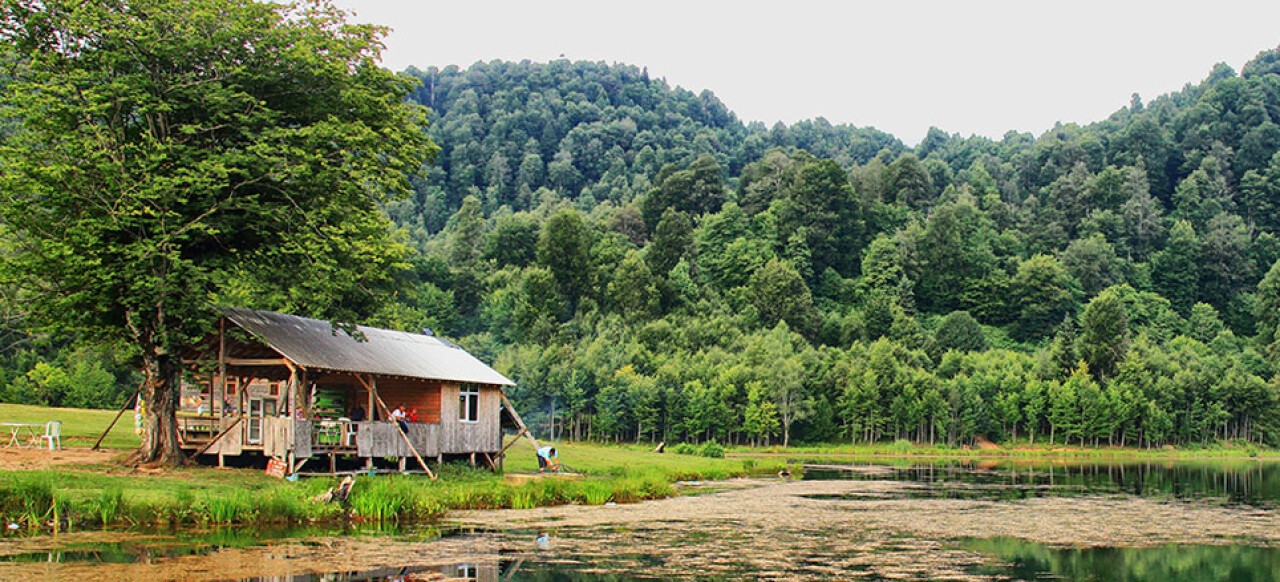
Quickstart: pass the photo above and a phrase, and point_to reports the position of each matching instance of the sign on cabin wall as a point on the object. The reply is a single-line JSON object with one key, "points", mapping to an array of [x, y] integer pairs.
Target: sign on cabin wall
{"points": [[276, 468]]}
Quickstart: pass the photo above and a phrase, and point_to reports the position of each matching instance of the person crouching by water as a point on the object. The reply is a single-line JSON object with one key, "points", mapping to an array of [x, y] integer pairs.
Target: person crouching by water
{"points": [[547, 459]]}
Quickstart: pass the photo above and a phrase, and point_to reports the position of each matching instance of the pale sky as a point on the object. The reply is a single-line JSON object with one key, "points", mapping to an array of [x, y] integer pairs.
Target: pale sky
{"points": [[966, 67]]}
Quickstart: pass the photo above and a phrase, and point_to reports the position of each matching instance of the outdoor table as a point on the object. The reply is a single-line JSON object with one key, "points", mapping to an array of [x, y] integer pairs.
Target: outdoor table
{"points": [[35, 431]]}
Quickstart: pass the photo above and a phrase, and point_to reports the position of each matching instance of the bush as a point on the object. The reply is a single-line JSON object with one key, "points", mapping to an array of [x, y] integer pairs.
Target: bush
{"points": [[684, 449], [712, 449]]}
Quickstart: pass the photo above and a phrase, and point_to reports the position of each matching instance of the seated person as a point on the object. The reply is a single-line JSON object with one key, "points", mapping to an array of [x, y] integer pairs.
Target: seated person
{"points": [[398, 416]]}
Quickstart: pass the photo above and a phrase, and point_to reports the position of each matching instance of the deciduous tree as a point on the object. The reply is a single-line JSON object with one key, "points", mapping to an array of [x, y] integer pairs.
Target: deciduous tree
{"points": [[169, 156]]}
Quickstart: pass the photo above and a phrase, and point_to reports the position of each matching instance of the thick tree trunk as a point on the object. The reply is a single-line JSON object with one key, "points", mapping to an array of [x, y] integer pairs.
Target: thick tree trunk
{"points": [[160, 394]]}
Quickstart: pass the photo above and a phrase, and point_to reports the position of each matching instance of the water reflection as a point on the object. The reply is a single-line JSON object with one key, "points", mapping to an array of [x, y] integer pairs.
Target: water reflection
{"points": [[1170, 563], [1249, 482], [479, 572]]}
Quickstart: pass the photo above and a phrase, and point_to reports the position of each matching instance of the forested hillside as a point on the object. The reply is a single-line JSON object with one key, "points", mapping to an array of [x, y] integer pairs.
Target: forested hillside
{"points": [[648, 267]]}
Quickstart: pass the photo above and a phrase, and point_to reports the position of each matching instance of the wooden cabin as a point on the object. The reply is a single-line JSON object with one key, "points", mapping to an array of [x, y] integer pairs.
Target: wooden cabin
{"points": [[295, 389]]}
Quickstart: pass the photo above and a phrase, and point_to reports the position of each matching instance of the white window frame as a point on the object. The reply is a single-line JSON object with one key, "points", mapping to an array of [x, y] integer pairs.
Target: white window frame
{"points": [[468, 393]]}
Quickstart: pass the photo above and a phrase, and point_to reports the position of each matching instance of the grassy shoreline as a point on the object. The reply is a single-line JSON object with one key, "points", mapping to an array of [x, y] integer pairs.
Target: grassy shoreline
{"points": [[111, 495], [107, 495]]}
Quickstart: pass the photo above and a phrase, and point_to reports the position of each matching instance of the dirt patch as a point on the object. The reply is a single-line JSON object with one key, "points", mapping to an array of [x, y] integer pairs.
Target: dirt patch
{"points": [[34, 459]]}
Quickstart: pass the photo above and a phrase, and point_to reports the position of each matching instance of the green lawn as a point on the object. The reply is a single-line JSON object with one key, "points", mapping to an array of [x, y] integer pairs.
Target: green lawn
{"points": [[623, 460], [80, 427]]}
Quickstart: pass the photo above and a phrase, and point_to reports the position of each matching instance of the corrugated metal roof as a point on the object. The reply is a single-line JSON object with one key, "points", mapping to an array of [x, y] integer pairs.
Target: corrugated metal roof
{"points": [[315, 344]]}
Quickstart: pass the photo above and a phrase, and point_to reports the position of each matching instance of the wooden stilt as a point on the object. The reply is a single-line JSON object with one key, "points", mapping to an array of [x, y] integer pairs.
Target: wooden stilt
{"points": [[402, 460], [473, 459], [333, 464]]}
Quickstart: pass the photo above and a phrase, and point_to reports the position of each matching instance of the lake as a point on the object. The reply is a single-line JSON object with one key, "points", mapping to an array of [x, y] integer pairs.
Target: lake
{"points": [[848, 518]]}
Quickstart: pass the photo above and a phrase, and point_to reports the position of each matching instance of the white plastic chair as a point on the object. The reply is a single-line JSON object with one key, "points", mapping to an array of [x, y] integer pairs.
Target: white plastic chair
{"points": [[52, 434]]}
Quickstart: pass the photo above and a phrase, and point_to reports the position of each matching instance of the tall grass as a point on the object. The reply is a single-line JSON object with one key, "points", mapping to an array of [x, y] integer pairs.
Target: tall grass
{"points": [[596, 492], [228, 508], [393, 499], [110, 506], [31, 500]]}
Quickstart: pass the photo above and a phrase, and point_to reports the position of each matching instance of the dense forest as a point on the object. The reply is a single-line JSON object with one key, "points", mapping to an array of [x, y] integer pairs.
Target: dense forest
{"points": [[648, 267]]}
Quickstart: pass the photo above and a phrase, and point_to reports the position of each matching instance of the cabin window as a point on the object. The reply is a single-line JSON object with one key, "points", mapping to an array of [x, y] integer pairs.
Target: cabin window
{"points": [[230, 388], [469, 403], [273, 389]]}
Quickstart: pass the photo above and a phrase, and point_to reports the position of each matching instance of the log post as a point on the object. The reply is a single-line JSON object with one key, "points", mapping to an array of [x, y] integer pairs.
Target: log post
{"points": [[221, 386], [127, 404], [523, 428]]}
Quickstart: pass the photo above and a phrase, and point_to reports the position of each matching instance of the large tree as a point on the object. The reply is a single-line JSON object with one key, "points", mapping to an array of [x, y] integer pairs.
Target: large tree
{"points": [[169, 156]]}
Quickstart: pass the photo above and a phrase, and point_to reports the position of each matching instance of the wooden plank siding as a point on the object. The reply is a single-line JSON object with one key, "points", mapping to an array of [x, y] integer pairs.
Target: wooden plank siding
{"points": [[421, 394], [382, 439], [482, 436], [277, 436], [231, 443]]}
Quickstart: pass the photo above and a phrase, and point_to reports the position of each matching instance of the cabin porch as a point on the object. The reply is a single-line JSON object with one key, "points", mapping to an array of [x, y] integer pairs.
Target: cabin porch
{"points": [[328, 420]]}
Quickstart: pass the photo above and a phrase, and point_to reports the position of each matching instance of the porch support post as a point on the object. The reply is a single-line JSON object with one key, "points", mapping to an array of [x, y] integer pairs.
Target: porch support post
{"points": [[293, 388], [221, 386], [307, 409]]}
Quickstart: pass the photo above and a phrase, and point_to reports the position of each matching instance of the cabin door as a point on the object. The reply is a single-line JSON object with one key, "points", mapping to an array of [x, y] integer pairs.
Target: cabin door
{"points": [[257, 408]]}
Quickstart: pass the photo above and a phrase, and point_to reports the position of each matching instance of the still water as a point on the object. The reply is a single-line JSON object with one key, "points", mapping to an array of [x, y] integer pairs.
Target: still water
{"points": [[712, 551], [1240, 482]]}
